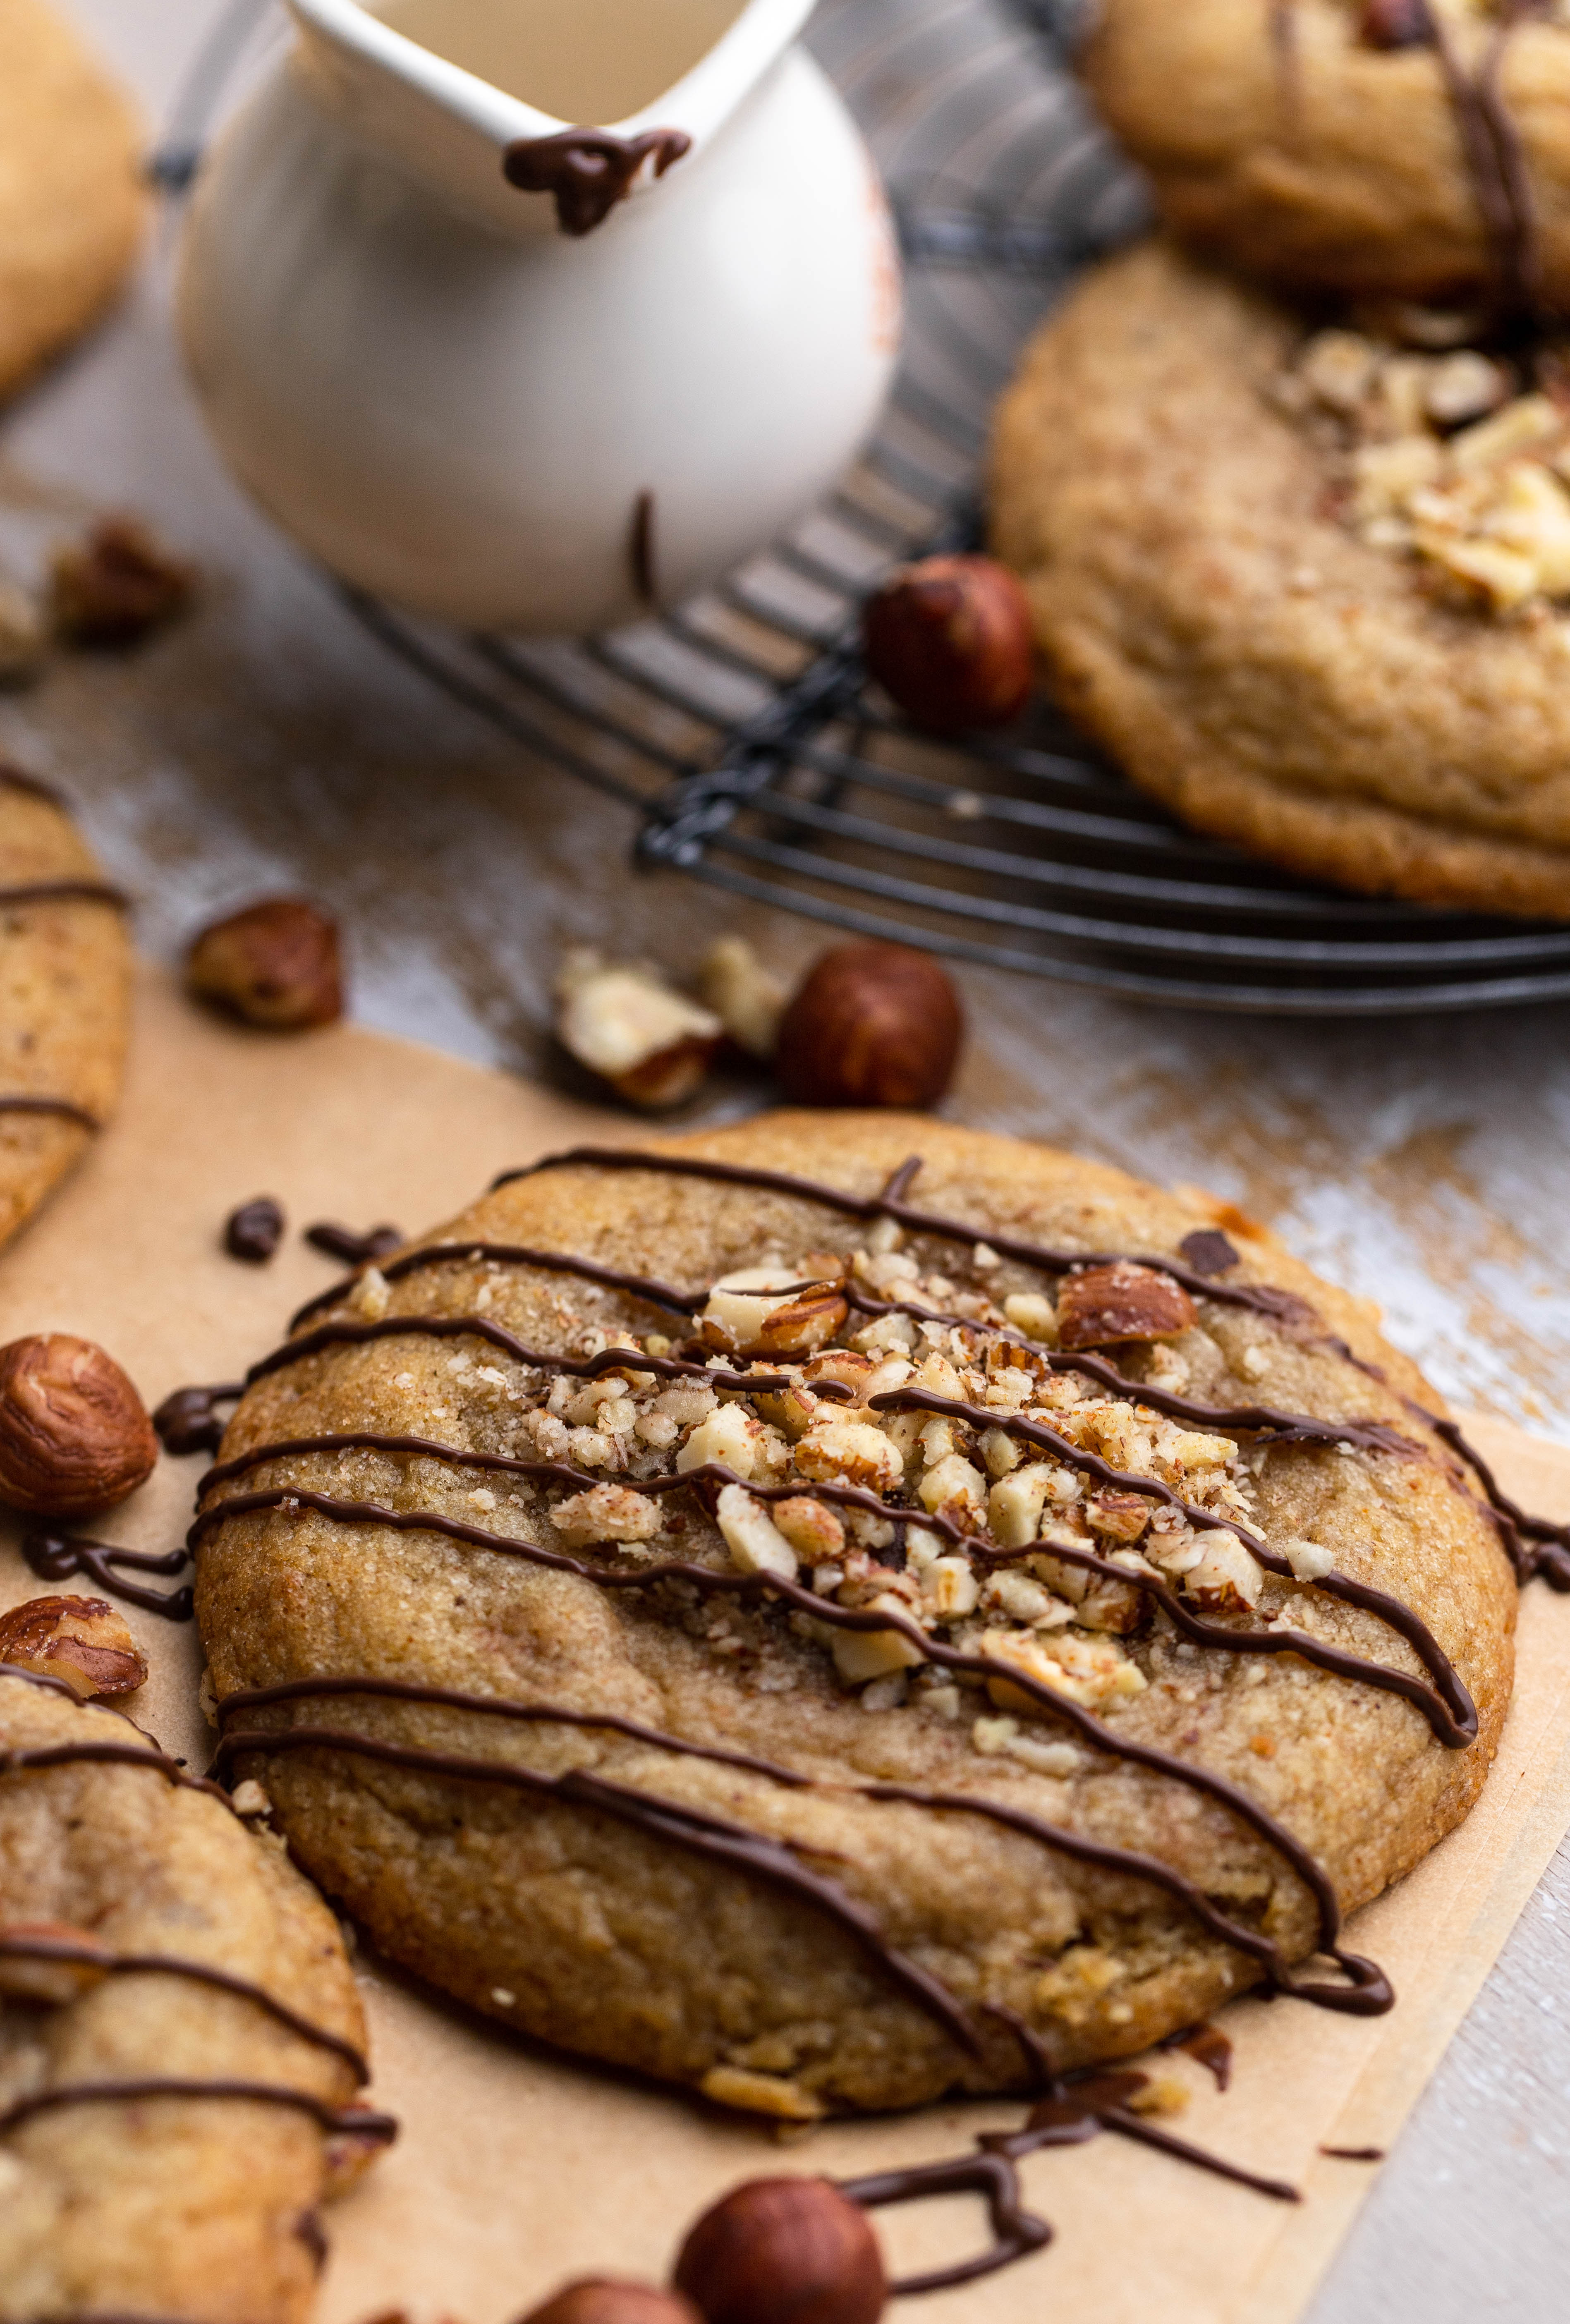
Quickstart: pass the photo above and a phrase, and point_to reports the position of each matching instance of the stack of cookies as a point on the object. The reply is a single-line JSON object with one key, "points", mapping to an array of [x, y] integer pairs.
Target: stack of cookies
{"points": [[1289, 486]]}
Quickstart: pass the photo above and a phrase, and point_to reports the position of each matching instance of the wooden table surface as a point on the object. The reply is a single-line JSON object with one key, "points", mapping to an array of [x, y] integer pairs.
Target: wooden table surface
{"points": [[268, 744]]}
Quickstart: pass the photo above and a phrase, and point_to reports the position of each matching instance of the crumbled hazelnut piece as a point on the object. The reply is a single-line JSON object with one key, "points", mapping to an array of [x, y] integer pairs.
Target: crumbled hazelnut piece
{"points": [[117, 585], [755, 1542], [755, 2093], [81, 1640], [729, 1437], [1227, 1579], [1463, 386], [1124, 1516], [860, 1654], [74, 1434], [1032, 1313], [746, 1316], [1338, 368], [1530, 420], [811, 1528], [1094, 1672], [275, 965], [1101, 1306], [837, 1451], [250, 1799], [649, 1042], [607, 1513], [1309, 1560], [748, 1001]]}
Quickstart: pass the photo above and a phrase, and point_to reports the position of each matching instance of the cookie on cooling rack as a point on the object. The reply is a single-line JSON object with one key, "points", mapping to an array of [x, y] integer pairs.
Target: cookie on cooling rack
{"points": [[180, 2036], [72, 202], [1411, 149], [758, 1631], [1310, 588], [65, 996]]}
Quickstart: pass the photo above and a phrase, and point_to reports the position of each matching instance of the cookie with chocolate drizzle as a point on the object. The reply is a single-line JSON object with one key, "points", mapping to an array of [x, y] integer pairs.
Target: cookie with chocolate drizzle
{"points": [[181, 2038], [1399, 149], [1309, 586], [65, 996], [830, 1624]]}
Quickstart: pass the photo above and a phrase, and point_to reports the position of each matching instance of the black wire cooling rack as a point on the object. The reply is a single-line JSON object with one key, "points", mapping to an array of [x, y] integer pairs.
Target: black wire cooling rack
{"points": [[738, 730]]}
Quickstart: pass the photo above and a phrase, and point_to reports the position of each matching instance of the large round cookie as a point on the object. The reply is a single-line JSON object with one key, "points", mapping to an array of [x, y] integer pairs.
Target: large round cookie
{"points": [[674, 1853], [65, 997], [1229, 600], [72, 198], [127, 2198], [1415, 149]]}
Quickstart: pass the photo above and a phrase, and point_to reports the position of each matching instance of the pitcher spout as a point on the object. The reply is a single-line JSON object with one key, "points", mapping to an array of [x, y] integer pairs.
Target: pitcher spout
{"points": [[534, 117]]}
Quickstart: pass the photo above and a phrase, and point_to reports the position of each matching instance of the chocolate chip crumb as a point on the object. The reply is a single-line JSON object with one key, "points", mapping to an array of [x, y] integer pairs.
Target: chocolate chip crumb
{"points": [[254, 1230]]}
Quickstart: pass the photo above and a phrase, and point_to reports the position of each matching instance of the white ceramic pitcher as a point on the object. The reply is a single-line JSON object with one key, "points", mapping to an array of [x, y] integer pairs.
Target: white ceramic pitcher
{"points": [[522, 374]]}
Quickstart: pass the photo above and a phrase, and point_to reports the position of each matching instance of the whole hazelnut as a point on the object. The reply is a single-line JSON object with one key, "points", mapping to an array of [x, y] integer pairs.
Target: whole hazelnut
{"points": [[597, 2300], [871, 1024], [275, 965], [74, 1434], [950, 639], [784, 2251]]}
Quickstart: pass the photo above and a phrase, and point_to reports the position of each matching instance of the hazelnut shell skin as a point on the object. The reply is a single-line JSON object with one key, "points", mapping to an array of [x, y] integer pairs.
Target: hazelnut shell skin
{"points": [[950, 640], [784, 2251], [276, 965], [871, 1024], [599, 2299], [74, 1434]]}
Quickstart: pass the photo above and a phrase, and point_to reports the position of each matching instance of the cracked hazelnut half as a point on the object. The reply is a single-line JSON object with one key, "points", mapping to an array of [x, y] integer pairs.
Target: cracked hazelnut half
{"points": [[1104, 1304], [652, 1044], [81, 1640], [599, 2300], [949, 639], [871, 1024], [275, 965], [782, 2251], [74, 1434]]}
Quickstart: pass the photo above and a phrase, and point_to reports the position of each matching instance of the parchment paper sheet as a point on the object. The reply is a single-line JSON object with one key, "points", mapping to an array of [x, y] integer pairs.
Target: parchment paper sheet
{"points": [[517, 2168]]}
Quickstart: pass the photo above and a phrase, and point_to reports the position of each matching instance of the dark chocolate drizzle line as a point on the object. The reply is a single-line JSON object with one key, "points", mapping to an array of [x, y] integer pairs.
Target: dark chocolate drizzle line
{"points": [[691, 1828], [515, 1254], [1131, 1862], [359, 2122], [13, 1947], [125, 1755], [66, 1108], [480, 1327], [890, 1205], [64, 892], [1209, 2046], [1369, 1992], [1450, 1711], [1355, 2154], [1016, 2232], [1081, 2106], [55, 1557], [353, 1249]]}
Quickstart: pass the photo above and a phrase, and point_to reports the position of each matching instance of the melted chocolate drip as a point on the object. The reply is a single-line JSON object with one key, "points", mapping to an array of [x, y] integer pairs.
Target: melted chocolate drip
{"points": [[66, 1108], [357, 2122], [55, 1557], [25, 1947], [1016, 2232], [1209, 2046], [187, 1421], [588, 170], [254, 1230], [64, 892], [353, 1249], [890, 1204]]}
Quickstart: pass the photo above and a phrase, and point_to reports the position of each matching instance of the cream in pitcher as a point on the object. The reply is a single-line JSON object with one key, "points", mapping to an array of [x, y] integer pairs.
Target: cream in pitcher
{"points": [[534, 315]]}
